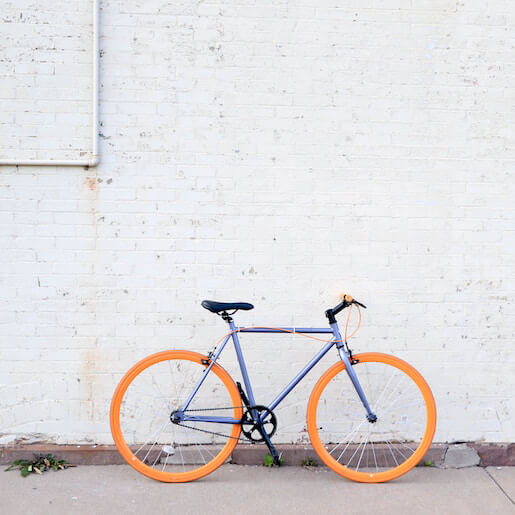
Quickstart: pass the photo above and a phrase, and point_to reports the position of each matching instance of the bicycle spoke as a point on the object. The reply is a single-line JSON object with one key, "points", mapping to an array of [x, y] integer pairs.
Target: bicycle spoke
{"points": [[392, 392], [376, 402], [364, 447], [207, 450], [347, 436], [374, 453], [182, 459], [391, 452], [357, 448], [159, 431], [177, 396], [153, 445], [157, 457]]}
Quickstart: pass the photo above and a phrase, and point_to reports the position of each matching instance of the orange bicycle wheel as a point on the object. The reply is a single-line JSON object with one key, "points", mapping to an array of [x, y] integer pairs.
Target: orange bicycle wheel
{"points": [[141, 417], [372, 452]]}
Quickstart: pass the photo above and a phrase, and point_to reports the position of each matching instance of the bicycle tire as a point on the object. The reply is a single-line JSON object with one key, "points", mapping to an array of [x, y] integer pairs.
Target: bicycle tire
{"points": [[178, 453], [398, 442]]}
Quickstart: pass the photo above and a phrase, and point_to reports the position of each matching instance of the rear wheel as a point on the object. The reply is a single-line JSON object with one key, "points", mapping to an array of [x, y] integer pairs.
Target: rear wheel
{"points": [[141, 423], [379, 451]]}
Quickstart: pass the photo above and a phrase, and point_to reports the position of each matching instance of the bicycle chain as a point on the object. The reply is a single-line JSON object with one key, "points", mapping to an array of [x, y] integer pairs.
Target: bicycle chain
{"points": [[213, 409]]}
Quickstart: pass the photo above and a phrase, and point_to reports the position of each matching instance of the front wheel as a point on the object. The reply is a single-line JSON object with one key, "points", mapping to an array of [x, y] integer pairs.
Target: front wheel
{"points": [[372, 452], [142, 419]]}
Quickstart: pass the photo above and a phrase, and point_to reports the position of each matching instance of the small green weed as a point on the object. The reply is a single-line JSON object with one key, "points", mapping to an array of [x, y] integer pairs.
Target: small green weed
{"points": [[269, 461], [428, 463], [308, 462], [41, 463]]}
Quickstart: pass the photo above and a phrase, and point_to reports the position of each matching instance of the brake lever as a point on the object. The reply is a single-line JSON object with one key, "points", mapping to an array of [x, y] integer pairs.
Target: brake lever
{"points": [[359, 304]]}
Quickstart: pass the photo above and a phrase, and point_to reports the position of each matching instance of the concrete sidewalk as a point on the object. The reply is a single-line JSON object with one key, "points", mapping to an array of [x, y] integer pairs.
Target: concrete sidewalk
{"points": [[255, 489]]}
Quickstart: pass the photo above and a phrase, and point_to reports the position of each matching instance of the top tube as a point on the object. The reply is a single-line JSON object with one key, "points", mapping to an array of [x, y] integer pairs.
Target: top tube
{"points": [[312, 330]]}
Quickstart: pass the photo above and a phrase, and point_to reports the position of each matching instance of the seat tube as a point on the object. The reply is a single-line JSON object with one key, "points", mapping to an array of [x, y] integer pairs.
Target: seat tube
{"points": [[350, 370], [241, 361]]}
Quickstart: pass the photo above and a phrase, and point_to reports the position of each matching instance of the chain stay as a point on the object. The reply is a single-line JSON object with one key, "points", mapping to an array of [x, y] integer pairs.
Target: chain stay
{"points": [[212, 432]]}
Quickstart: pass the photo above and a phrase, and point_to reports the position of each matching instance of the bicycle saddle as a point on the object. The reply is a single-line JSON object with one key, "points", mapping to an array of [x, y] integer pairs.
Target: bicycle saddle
{"points": [[216, 307]]}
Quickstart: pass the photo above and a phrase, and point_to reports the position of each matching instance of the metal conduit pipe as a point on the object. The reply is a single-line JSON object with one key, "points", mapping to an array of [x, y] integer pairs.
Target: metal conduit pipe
{"points": [[94, 159]]}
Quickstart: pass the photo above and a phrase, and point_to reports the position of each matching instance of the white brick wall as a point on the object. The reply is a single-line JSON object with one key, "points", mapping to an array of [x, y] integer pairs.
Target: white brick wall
{"points": [[45, 79], [277, 152]]}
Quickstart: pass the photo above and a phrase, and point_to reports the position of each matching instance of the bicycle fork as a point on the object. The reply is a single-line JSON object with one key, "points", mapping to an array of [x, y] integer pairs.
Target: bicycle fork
{"points": [[344, 356]]}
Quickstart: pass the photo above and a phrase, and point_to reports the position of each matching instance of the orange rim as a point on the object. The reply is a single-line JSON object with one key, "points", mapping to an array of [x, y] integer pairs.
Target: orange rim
{"points": [[404, 467], [124, 449]]}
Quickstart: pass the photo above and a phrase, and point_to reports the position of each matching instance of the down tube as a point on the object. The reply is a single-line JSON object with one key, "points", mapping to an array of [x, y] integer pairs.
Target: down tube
{"points": [[300, 375]]}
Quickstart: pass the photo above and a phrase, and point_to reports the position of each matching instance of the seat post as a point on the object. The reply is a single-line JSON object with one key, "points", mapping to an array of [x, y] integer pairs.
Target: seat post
{"points": [[226, 317]]}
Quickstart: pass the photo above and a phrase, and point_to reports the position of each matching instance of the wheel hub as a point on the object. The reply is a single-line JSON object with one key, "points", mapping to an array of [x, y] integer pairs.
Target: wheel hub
{"points": [[372, 418], [176, 416]]}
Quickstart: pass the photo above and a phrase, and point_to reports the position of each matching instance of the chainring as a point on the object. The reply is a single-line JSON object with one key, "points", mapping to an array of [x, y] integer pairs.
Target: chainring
{"points": [[251, 430]]}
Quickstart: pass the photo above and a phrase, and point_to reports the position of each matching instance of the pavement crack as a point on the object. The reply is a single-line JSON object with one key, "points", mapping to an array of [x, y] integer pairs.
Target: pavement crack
{"points": [[499, 486]]}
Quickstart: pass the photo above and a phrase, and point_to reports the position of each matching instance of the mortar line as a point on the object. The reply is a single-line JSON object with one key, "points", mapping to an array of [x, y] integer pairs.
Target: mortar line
{"points": [[498, 485]]}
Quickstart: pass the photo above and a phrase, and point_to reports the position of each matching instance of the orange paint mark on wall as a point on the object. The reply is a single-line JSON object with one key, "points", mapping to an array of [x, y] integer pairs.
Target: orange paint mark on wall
{"points": [[92, 183]]}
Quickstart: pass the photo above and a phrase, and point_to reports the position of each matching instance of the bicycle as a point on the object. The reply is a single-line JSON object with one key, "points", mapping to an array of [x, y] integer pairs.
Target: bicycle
{"points": [[177, 415]]}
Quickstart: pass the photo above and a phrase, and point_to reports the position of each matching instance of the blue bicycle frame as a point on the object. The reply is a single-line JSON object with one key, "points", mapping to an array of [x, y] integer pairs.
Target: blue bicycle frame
{"points": [[336, 340]]}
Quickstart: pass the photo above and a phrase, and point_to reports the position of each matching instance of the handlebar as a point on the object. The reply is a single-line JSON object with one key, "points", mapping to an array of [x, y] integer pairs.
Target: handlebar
{"points": [[351, 300], [347, 300]]}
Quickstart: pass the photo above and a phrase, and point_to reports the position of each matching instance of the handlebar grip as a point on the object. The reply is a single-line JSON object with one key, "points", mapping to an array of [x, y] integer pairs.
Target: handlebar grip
{"points": [[345, 297]]}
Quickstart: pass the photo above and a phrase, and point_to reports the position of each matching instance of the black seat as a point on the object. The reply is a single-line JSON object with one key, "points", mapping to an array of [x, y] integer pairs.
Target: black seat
{"points": [[216, 307]]}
